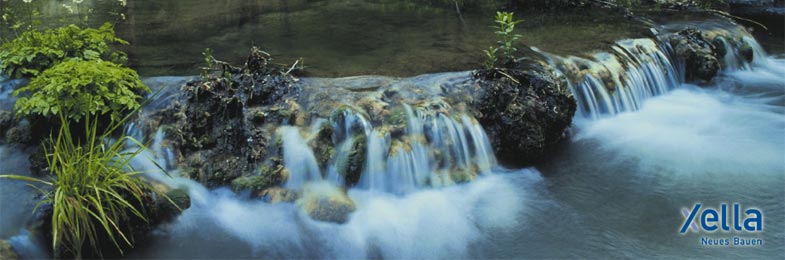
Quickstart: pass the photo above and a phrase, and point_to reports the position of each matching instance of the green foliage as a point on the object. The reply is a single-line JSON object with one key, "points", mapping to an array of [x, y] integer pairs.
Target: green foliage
{"points": [[209, 62], [505, 27], [79, 88], [95, 189], [490, 53], [505, 31], [34, 51]]}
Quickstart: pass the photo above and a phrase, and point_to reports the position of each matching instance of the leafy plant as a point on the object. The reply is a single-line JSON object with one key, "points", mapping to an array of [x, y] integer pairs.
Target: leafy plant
{"points": [[78, 88], [505, 29], [35, 51], [490, 53], [95, 190], [209, 62]]}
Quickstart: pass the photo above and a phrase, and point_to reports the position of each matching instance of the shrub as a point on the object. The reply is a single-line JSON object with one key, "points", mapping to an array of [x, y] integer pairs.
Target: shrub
{"points": [[505, 31], [505, 27], [34, 51], [95, 190], [79, 88]]}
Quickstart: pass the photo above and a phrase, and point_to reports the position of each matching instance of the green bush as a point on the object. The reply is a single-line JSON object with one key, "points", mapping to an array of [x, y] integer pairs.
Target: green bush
{"points": [[79, 88], [505, 27], [34, 51], [94, 189], [505, 31]]}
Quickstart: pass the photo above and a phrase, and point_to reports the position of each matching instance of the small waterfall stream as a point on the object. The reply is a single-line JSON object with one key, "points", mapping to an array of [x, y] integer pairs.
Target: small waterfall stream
{"points": [[622, 79], [298, 158], [400, 216], [636, 70], [432, 148]]}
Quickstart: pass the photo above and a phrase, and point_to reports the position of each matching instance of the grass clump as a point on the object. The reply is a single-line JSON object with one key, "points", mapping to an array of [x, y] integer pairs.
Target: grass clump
{"points": [[95, 192]]}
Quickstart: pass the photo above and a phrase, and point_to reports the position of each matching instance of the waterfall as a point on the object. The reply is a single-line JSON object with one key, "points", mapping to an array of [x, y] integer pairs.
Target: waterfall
{"points": [[620, 80], [433, 148], [298, 158], [635, 70]]}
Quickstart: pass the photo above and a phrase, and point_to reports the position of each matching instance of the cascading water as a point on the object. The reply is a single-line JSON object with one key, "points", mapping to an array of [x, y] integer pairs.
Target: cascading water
{"points": [[619, 81], [298, 158], [433, 145], [636, 70], [394, 203], [687, 130]]}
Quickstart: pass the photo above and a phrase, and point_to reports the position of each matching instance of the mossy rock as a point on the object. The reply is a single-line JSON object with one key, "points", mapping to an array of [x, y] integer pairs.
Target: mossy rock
{"points": [[7, 252], [326, 203], [322, 145], [352, 167], [167, 210], [279, 195], [269, 176]]}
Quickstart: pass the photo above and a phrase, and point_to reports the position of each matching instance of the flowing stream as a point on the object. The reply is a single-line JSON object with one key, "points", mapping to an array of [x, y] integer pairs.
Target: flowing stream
{"points": [[637, 156]]}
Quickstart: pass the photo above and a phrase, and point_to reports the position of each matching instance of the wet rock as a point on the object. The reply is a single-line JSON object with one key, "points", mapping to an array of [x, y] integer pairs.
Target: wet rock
{"points": [[20, 133], [268, 176], [279, 195], [322, 145], [7, 252], [6, 122], [167, 209], [323, 202], [723, 42], [464, 175], [699, 55], [222, 123], [351, 167], [524, 111]]}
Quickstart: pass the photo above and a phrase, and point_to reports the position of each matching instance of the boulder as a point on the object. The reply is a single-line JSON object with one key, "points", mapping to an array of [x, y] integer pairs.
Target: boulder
{"points": [[218, 122], [699, 55], [167, 209], [524, 111], [324, 202]]}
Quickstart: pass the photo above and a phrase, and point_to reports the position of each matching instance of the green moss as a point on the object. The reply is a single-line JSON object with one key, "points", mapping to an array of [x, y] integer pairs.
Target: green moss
{"points": [[269, 176]]}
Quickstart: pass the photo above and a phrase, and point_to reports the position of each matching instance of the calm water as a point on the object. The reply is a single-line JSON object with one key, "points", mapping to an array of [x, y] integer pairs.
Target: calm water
{"points": [[336, 37]]}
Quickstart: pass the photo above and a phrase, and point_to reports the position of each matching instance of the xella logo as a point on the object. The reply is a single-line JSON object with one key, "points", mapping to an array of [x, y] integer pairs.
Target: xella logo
{"points": [[711, 220]]}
